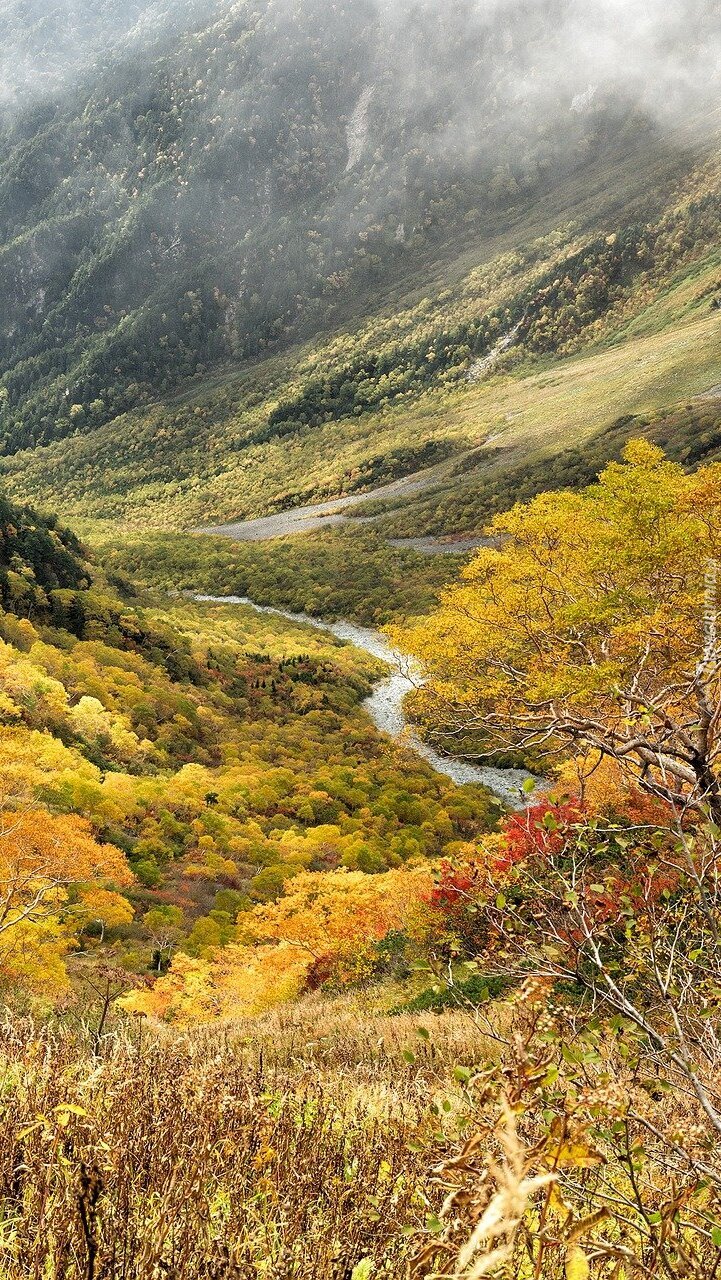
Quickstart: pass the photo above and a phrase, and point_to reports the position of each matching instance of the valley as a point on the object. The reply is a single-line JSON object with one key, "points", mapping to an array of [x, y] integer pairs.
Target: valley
{"points": [[216, 455], [385, 705], [332, 514], [360, 683]]}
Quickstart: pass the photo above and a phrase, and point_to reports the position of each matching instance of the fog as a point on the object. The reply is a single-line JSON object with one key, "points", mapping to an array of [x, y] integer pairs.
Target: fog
{"points": [[662, 55], [665, 55], [247, 151], [46, 45]]}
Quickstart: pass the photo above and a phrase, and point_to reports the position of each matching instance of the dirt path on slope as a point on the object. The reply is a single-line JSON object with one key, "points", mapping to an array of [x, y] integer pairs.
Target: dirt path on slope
{"points": [[326, 515]]}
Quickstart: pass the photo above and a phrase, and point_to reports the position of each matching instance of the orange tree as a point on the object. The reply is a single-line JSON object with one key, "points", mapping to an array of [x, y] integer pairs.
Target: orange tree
{"points": [[41, 856], [592, 623], [325, 928], [334, 918]]}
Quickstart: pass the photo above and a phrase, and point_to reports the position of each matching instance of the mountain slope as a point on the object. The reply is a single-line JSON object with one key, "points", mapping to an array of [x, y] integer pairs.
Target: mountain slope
{"points": [[211, 184], [599, 322], [255, 254]]}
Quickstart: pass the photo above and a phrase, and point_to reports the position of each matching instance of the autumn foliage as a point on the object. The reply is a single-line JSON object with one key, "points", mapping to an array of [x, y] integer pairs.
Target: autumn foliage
{"points": [[589, 626], [323, 928], [41, 856]]}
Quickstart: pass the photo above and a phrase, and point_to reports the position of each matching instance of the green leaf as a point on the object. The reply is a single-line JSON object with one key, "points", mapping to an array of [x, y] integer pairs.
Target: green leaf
{"points": [[364, 1270]]}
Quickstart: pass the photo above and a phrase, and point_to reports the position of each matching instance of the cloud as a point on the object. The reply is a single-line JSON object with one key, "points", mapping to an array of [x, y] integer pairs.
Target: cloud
{"points": [[45, 45], [665, 55]]}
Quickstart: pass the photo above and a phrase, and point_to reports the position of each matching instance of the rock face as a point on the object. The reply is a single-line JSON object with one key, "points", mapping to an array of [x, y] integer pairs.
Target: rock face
{"points": [[487, 363], [357, 131]]}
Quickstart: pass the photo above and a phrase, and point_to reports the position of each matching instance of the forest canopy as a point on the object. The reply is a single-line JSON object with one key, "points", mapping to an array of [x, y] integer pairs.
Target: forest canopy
{"points": [[591, 625]]}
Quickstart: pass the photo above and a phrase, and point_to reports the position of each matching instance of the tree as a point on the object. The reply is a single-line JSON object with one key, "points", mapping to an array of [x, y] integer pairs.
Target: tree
{"points": [[592, 624], [327, 923], [183, 995], [98, 986], [241, 983], [165, 927], [104, 908], [41, 855], [607, 935], [339, 913]]}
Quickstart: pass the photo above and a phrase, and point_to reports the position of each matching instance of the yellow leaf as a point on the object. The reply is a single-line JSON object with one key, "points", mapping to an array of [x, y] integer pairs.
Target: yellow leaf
{"points": [[574, 1155], [583, 1227], [24, 1133], [577, 1267]]}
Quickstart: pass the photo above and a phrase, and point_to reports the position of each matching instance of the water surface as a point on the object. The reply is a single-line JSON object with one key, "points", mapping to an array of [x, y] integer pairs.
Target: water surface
{"points": [[385, 703]]}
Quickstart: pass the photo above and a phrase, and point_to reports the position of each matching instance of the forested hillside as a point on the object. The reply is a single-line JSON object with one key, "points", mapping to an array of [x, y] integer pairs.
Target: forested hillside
{"points": [[203, 190], [563, 338], [193, 761], [189, 192], [294, 297]]}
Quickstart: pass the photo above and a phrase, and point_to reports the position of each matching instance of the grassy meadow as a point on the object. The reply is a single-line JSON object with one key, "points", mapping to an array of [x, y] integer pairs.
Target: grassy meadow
{"points": [[325, 1139]]}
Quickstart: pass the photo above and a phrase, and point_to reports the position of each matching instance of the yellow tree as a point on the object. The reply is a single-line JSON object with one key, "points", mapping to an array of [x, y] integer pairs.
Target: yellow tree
{"points": [[103, 908], [184, 995], [334, 916], [241, 982], [331, 913], [591, 623], [41, 855]]}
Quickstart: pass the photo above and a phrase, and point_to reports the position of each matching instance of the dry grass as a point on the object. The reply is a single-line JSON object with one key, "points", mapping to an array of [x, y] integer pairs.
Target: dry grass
{"points": [[289, 1149], [327, 1141], [572, 399]]}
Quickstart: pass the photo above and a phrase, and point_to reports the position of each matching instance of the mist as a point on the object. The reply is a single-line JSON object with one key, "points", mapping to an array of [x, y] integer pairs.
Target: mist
{"points": [[665, 55], [274, 160], [47, 45]]}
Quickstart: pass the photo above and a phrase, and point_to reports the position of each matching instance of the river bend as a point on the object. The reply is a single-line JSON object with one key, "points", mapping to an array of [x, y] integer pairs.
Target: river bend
{"points": [[385, 703]]}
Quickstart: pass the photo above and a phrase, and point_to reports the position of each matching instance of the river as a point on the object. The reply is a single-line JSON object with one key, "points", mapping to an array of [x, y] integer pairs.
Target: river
{"points": [[385, 703]]}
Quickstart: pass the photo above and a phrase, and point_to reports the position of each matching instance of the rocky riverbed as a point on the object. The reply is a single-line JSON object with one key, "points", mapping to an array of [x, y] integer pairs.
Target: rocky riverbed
{"points": [[385, 705]]}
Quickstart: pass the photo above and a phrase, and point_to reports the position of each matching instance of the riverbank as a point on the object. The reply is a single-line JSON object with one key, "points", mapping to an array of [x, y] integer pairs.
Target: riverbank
{"points": [[385, 705]]}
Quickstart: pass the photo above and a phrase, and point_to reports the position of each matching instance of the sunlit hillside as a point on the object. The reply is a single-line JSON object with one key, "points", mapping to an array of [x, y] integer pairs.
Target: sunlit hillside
{"points": [[360, 672], [531, 351], [252, 256]]}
